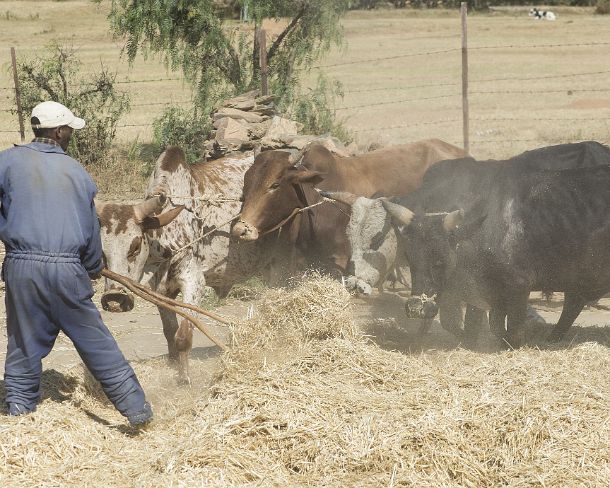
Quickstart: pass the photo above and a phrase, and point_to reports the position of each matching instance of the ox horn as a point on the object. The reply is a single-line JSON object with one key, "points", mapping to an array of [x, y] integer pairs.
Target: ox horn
{"points": [[340, 196], [453, 220], [148, 207], [295, 159], [398, 212]]}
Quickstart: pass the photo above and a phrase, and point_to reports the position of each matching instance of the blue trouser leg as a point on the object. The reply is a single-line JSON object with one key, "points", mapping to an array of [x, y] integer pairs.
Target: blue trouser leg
{"points": [[43, 298], [31, 334]]}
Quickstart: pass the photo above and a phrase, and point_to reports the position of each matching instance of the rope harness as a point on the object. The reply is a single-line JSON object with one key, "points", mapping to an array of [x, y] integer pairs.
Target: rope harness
{"points": [[221, 199]]}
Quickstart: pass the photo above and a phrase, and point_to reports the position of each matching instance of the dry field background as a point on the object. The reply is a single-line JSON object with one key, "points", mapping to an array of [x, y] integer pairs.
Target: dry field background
{"points": [[304, 399], [540, 95]]}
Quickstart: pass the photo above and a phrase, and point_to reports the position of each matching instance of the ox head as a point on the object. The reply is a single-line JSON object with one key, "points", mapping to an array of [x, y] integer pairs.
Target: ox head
{"points": [[372, 240], [430, 244], [124, 231], [270, 192]]}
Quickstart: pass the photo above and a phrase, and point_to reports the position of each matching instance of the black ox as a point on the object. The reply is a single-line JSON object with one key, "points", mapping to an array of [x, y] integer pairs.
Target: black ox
{"points": [[488, 233]]}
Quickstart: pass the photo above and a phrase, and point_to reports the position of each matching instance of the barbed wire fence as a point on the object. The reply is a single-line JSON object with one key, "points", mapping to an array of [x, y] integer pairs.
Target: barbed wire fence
{"points": [[467, 93], [8, 99]]}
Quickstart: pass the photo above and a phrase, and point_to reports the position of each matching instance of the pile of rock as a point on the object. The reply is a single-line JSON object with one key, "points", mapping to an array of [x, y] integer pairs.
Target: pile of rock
{"points": [[250, 121]]}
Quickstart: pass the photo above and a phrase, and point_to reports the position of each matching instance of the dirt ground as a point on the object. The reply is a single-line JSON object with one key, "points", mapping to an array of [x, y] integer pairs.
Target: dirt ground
{"points": [[140, 336]]}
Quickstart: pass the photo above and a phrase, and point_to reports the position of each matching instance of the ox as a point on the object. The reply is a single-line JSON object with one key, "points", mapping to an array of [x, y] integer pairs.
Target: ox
{"points": [[274, 187], [523, 230], [452, 184], [163, 247], [542, 14]]}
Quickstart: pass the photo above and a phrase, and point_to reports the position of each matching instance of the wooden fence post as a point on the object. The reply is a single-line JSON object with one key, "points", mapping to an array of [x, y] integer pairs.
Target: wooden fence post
{"points": [[17, 95], [465, 112], [262, 43]]}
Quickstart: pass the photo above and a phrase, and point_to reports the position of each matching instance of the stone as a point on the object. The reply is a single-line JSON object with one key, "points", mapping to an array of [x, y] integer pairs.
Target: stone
{"points": [[246, 105], [298, 142], [281, 127], [244, 97], [259, 130], [231, 129], [265, 110], [237, 114], [264, 100]]}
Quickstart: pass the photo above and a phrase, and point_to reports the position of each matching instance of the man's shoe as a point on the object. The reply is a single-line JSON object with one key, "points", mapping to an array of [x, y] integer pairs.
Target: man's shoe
{"points": [[15, 409], [141, 418]]}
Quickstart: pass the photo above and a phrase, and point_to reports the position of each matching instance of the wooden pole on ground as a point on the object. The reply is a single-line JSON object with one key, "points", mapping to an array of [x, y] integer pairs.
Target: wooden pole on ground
{"points": [[465, 112], [17, 94], [262, 43]]}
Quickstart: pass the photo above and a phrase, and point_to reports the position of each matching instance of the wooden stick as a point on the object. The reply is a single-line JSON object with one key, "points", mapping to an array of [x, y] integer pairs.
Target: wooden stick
{"points": [[166, 303], [122, 279]]}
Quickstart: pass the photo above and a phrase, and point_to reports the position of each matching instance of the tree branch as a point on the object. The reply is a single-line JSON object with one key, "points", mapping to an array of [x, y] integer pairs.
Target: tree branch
{"points": [[276, 44], [40, 82]]}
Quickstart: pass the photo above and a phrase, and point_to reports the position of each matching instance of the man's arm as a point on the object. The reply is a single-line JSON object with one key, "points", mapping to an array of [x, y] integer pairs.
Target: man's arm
{"points": [[92, 256]]}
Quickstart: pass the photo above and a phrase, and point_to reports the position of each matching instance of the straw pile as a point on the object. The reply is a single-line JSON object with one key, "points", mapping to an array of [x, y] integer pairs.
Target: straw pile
{"points": [[303, 399]]}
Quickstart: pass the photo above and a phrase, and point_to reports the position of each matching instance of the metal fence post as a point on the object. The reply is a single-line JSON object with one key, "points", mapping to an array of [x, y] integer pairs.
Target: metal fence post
{"points": [[17, 95], [465, 113]]}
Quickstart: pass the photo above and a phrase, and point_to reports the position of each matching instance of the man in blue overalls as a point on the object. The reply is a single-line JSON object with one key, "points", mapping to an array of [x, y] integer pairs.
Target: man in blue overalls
{"points": [[53, 249]]}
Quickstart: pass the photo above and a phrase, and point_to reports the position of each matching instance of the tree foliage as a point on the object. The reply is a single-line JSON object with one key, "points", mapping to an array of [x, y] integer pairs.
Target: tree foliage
{"points": [[56, 77], [219, 56]]}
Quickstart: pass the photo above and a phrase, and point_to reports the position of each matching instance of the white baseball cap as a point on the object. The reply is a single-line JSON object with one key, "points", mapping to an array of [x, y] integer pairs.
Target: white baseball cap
{"points": [[52, 114]]}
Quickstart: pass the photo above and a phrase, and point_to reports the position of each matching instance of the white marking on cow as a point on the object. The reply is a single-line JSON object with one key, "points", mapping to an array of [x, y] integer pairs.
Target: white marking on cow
{"points": [[542, 14], [373, 242]]}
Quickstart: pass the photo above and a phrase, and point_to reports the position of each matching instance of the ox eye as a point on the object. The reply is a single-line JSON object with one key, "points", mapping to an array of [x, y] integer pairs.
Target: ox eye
{"points": [[275, 186]]}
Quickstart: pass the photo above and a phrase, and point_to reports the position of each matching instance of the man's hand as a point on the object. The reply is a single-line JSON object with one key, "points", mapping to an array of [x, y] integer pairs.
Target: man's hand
{"points": [[95, 276]]}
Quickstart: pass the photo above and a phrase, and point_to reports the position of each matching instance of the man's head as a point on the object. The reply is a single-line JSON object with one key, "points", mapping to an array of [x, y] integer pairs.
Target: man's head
{"points": [[55, 121]]}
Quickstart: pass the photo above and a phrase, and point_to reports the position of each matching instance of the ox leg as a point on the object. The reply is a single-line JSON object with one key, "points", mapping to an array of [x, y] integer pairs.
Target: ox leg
{"points": [[515, 322], [194, 286], [497, 322], [474, 320], [184, 344], [170, 327], [572, 306], [450, 315]]}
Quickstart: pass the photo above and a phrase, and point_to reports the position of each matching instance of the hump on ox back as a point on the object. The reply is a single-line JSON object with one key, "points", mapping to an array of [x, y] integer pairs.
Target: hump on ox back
{"points": [[125, 242]]}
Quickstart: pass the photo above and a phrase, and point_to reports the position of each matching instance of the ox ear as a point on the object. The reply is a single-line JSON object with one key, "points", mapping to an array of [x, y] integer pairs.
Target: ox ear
{"points": [[165, 218], [453, 220], [305, 176], [400, 214]]}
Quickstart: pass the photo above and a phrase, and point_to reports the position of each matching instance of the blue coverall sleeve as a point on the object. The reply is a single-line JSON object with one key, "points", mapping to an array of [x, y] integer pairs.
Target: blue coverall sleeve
{"points": [[92, 256]]}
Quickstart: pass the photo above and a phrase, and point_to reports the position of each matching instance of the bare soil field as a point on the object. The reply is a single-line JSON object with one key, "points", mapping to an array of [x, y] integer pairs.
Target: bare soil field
{"points": [[440, 415], [522, 95]]}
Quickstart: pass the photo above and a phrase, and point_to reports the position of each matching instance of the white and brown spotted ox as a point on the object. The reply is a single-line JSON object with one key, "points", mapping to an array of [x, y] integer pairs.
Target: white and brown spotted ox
{"points": [[276, 185], [156, 241]]}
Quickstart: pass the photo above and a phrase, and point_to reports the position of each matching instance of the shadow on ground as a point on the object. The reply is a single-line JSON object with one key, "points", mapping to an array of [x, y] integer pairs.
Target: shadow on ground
{"points": [[383, 319]]}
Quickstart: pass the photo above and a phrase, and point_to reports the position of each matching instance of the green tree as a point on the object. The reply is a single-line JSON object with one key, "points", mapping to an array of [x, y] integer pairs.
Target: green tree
{"points": [[56, 76], [219, 56]]}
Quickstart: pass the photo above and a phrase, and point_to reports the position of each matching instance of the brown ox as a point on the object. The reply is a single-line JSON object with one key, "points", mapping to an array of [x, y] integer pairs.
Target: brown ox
{"points": [[274, 186]]}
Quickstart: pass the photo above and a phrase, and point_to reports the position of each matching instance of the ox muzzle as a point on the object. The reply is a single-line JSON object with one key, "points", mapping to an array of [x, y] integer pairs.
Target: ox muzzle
{"points": [[244, 231], [421, 307], [117, 299], [352, 283]]}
